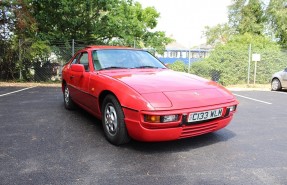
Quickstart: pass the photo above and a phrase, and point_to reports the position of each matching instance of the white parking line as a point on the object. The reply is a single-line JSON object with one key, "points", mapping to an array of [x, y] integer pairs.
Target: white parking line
{"points": [[253, 99], [15, 91]]}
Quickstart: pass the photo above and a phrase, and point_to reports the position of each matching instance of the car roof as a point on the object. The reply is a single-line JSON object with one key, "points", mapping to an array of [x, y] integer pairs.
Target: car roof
{"points": [[103, 47]]}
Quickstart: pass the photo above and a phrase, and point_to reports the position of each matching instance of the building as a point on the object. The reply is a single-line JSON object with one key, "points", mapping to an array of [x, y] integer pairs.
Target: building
{"points": [[177, 52]]}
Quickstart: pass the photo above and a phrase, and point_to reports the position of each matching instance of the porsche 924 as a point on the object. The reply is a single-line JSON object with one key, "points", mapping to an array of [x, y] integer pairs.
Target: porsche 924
{"points": [[136, 96]]}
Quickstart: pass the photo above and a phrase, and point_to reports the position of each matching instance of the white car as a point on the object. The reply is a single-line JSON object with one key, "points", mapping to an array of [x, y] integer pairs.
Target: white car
{"points": [[279, 80]]}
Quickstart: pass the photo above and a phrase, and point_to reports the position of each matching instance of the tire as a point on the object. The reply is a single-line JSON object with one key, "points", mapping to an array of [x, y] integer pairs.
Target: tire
{"points": [[113, 121], [68, 102], [276, 85]]}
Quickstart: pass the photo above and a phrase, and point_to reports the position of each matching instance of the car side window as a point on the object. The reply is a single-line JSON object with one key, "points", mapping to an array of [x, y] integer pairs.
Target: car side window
{"points": [[76, 59], [84, 60]]}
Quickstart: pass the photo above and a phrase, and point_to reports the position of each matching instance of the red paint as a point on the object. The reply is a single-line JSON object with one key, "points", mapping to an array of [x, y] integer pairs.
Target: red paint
{"points": [[149, 91]]}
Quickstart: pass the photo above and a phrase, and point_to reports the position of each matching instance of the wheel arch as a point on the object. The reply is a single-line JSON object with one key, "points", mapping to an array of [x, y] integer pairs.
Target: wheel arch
{"points": [[275, 77], [63, 85], [102, 96]]}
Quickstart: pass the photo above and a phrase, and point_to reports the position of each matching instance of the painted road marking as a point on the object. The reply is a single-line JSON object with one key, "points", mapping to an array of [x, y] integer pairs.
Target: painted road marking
{"points": [[253, 99], [15, 91]]}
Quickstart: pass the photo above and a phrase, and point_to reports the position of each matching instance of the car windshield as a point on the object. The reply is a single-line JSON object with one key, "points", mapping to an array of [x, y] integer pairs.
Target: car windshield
{"points": [[124, 59]]}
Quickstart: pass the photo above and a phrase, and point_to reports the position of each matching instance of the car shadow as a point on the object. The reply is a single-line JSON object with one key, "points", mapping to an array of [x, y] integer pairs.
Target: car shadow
{"points": [[182, 144], [281, 91], [87, 120], [187, 144]]}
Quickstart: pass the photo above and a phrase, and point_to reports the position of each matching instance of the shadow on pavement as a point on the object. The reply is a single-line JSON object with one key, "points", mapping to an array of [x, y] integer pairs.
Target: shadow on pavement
{"points": [[182, 144]]}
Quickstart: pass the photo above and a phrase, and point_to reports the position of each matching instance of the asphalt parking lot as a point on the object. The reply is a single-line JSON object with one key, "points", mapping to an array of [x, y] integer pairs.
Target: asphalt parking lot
{"points": [[42, 143]]}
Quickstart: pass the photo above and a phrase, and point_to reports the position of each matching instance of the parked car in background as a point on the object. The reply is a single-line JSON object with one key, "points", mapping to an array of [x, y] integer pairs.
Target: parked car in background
{"points": [[137, 97], [279, 80]]}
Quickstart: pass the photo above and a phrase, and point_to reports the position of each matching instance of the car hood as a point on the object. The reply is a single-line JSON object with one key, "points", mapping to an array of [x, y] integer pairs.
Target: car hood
{"points": [[167, 88]]}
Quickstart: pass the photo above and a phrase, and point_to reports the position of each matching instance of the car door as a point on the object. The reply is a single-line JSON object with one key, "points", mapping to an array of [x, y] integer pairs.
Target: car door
{"points": [[284, 78], [72, 78], [80, 82], [84, 81]]}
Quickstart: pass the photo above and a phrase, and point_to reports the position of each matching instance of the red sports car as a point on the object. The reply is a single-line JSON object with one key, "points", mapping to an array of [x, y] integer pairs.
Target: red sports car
{"points": [[137, 97]]}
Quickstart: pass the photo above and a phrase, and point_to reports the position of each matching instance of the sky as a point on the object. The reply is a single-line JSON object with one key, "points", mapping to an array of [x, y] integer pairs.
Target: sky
{"points": [[184, 20]]}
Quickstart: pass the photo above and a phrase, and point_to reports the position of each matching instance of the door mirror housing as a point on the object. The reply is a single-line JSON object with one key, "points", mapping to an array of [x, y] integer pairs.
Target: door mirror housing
{"points": [[79, 68]]}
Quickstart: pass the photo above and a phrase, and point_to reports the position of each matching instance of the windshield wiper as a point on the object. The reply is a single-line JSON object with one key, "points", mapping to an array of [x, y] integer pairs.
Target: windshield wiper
{"points": [[143, 67], [113, 67]]}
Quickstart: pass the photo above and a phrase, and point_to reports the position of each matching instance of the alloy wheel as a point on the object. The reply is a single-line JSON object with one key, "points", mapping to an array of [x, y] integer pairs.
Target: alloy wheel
{"points": [[111, 120]]}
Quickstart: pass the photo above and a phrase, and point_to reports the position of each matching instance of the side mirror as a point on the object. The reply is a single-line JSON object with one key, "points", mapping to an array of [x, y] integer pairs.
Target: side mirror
{"points": [[79, 68]]}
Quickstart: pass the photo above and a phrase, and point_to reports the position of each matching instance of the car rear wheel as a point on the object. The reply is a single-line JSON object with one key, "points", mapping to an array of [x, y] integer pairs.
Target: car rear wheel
{"points": [[113, 121], [68, 102], [276, 85]]}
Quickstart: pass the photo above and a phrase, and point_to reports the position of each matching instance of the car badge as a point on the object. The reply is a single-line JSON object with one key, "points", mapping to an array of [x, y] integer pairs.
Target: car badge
{"points": [[195, 93]]}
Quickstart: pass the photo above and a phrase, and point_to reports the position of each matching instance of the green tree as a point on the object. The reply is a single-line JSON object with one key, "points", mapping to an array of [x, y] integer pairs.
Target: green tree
{"points": [[15, 22], [218, 34], [120, 22], [130, 24], [228, 63], [38, 24], [277, 14], [6, 19], [70, 19], [247, 16]]}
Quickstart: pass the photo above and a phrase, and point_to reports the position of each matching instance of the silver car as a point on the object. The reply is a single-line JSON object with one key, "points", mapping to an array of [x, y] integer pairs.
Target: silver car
{"points": [[279, 80]]}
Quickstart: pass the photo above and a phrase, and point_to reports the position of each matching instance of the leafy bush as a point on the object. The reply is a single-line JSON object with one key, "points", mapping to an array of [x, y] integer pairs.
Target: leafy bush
{"points": [[178, 66], [228, 63]]}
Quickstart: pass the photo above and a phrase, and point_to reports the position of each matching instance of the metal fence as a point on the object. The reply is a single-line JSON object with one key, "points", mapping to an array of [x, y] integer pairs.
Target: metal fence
{"points": [[15, 65], [234, 67]]}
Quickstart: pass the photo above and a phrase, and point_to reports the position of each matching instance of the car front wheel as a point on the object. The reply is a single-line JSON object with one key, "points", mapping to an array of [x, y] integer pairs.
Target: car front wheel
{"points": [[68, 102], [113, 121], [276, 85]]}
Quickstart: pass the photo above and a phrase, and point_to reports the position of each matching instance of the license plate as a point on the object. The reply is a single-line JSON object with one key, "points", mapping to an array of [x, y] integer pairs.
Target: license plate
{"points": [[205, 115]]}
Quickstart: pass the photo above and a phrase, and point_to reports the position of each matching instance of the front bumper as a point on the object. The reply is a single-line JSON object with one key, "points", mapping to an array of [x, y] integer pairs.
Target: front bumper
{"points": [[140, 131]]}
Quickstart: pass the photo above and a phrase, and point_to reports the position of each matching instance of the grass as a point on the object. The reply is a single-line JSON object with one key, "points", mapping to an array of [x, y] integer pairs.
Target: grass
{"points": [[30, 84], [250, 86]]}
